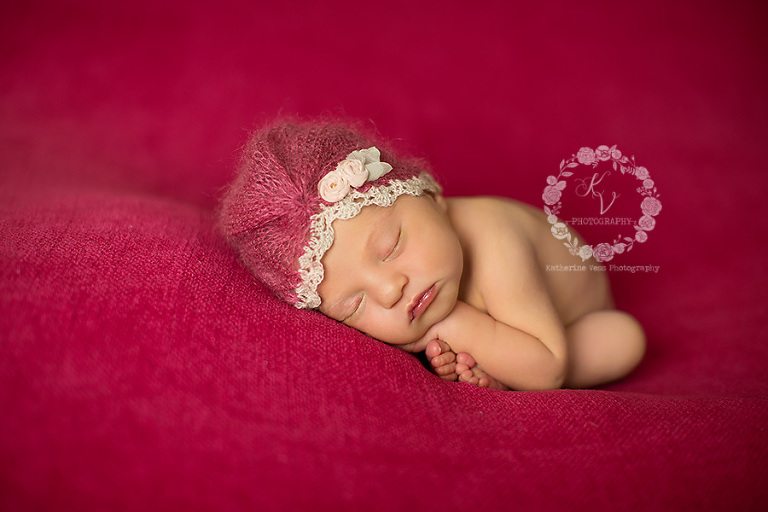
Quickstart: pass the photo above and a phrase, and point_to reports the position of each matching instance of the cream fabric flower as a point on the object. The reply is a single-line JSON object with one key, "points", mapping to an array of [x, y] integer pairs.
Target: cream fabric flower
{"points": [[359, 167], [353, 170], [333, 187]]}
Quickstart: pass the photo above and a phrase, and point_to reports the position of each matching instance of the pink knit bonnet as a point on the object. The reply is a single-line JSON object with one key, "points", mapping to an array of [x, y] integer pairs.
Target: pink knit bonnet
{"points": [[293, 181]]}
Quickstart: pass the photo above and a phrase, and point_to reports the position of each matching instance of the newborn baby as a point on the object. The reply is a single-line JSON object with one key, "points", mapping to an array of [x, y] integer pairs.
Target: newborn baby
{"points": [[329, 219]]}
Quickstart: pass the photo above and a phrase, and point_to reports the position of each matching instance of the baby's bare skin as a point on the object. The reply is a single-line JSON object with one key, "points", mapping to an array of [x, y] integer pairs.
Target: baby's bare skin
{"points": [[462, 367], [572, 293], [581, 299], [466, 279]]}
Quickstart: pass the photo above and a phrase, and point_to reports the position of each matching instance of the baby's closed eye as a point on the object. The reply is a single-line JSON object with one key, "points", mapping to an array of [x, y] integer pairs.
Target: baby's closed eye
{"points": [[393, 245], [353, 308]]}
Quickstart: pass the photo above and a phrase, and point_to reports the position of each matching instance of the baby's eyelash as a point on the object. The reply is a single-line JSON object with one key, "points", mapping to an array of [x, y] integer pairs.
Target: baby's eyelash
{"points": [[396, 246], [356, 310]]}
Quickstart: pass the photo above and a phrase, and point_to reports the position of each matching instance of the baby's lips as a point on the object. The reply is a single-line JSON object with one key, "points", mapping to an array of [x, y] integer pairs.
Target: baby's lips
{"points": [[421, 303]]}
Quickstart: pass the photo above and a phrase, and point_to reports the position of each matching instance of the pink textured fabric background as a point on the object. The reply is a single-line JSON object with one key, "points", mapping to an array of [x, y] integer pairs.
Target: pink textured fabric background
{"points": [[141, 368]]}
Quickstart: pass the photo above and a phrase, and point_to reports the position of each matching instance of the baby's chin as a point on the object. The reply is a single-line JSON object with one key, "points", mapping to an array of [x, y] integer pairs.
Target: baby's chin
{"points": [[394, 340], [416, 331]]}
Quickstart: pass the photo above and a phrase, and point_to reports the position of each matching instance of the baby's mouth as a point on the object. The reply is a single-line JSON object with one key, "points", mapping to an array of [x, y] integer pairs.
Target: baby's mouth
{"points": [[421, 303]]}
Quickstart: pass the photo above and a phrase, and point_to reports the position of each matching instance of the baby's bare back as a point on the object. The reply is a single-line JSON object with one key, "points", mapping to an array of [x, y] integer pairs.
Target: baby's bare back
{"points": [[502, 235]]}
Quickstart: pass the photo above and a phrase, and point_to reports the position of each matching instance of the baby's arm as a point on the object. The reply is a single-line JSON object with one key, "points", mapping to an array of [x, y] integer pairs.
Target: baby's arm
{"points": [[520, 340], [514, 357]]}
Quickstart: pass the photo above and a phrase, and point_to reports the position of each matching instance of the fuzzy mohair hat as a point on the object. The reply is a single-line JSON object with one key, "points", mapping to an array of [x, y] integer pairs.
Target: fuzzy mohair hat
{"points": [[294, 179]]}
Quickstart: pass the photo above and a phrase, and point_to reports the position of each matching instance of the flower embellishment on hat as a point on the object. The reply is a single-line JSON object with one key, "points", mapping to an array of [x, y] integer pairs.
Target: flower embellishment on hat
{"points": [[358, 168]]}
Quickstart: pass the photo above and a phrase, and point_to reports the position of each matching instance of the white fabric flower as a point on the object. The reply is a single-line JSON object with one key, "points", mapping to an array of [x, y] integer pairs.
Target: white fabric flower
{"points": [[371, 158], [353, 170]]}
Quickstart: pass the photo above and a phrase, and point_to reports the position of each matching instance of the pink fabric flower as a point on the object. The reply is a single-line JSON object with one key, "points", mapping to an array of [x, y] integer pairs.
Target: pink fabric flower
{"points": [[333, 187], [615, 154], [651, 206], [603, 252], [641, 236], [641, 173], [353, 170], [619, 248], [585, 156], [603, 153], [648, 183]]}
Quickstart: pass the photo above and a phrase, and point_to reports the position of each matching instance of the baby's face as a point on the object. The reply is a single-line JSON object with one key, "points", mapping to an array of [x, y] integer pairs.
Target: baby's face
{"points": [[394, 272]]}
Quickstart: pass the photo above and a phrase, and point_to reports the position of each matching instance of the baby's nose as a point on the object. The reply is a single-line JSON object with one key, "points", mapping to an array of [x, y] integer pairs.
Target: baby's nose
{"points": [[391, 288]]}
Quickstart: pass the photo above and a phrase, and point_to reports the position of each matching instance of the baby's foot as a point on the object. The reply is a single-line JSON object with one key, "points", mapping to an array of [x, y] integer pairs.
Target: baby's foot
{"points": [[449, 366], [467, 370], [442, 359]]}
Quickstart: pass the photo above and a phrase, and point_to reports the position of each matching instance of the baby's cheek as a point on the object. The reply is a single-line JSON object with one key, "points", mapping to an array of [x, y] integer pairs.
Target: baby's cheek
{"points": [[399, 336]]}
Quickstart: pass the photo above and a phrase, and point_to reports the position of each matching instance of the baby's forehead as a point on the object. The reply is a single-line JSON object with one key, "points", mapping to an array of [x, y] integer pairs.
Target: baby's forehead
{"points": [[361, 230]]}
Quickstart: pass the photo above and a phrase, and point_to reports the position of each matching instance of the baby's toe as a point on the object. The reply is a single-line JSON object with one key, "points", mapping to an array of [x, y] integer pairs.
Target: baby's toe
{"points": [[450, 376], [445, 369], [443, 359], [433, 349], [466, 359]]}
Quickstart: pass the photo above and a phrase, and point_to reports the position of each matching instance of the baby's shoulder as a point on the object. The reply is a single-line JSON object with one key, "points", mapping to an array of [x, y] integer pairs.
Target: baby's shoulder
{"points": [[494, 215], [498, 237]]}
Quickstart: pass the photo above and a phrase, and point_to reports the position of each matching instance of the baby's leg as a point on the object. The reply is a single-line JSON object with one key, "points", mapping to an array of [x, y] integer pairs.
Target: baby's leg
{"points": [[603, 346]]}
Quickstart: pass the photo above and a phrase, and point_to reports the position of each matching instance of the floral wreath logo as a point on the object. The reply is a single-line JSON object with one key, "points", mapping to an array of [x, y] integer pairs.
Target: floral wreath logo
{"points": [[650, 204]]}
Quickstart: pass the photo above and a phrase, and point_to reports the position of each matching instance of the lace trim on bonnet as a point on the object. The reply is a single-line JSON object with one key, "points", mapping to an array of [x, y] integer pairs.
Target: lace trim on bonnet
{"points": [[321, 232]]}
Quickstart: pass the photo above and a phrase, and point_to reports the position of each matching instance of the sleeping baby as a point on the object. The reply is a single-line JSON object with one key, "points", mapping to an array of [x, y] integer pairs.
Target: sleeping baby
{"points": [[329, 218]]}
